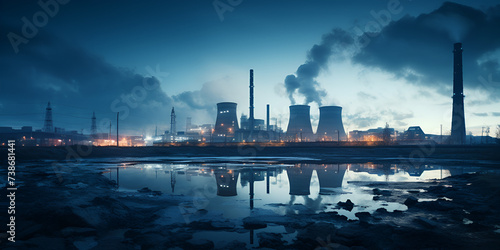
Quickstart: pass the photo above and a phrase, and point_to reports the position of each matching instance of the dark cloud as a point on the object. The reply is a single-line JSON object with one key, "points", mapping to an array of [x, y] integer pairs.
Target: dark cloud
{"points": [[418, 49], [495, 113], [78, 83], [304, 81], [480, 114], [210, 94], [192, 99]]}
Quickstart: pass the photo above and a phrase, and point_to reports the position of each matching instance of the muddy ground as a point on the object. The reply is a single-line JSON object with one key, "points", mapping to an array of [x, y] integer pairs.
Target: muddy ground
{"points": [[78, 208]]}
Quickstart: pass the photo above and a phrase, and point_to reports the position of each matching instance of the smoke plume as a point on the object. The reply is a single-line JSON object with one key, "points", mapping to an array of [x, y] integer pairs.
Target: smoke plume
{"points": [[418, 49], [304, 81]]}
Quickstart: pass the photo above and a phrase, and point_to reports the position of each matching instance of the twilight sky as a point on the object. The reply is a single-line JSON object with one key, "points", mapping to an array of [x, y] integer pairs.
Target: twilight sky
{"points": [[382, 61]]}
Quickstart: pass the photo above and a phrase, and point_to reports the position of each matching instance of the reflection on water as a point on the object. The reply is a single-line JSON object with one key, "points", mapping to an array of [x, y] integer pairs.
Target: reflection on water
{"points": [[318, 187], [233, 191], [226, 181]]}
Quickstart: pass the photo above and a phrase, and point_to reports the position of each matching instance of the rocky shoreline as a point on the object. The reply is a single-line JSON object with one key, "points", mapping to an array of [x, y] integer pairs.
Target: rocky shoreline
{"points": [[78, 208]]}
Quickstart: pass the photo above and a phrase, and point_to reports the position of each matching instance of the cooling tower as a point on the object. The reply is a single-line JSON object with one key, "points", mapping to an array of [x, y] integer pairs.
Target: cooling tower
{"points": [[299, 125], [330, 177], [299, 179], [226, 123], [330, 125], [458, 116], [226, 182]]}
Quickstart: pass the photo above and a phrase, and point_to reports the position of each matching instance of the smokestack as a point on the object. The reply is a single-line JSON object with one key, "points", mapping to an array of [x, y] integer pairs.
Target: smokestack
{"points": [[172, 122], [267, 119], [330, 124], [458, 116], [251, 101], [299, 125]]}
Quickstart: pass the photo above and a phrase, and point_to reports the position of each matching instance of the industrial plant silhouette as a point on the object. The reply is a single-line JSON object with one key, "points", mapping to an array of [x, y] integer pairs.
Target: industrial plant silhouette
{"points": [[330, 126], [227, 129]]}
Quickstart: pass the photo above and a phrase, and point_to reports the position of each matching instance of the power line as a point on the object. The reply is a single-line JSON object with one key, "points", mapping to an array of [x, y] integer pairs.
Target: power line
{"points": [[72, 116], [22, 114]]}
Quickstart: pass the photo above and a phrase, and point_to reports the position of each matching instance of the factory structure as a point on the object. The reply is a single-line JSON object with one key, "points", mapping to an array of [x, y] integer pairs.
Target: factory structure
{"points": [[249, 129], [52, 136], [330, 127]]}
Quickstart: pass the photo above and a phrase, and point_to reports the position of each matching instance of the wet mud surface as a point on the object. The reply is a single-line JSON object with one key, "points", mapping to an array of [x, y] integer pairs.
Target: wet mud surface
{"points": [[77, 208]]}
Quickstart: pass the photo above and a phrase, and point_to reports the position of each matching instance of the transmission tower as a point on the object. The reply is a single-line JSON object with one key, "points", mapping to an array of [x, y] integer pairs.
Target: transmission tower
{"points": [[47, 126], [93, 128]]}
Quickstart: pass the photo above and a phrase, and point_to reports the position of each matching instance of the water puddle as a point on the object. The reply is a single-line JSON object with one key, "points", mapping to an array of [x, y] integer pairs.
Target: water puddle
{"points": [[233, 190]]}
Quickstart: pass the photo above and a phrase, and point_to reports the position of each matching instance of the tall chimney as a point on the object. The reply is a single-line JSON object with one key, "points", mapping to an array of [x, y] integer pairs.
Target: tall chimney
{"points": [[267, 119], [251, 101], [458, 116], [172, 125]]}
